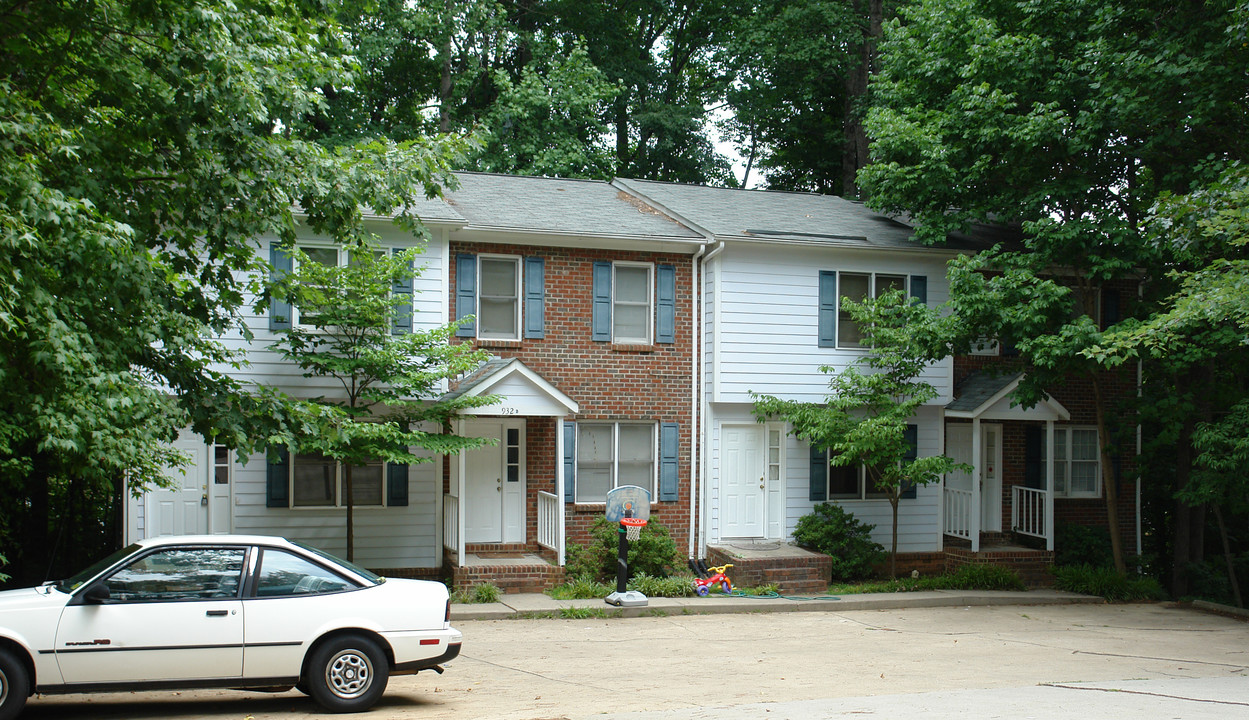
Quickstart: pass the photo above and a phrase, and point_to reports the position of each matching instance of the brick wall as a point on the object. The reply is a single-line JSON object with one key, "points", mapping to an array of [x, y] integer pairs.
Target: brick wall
{"points": [[608, 381]]}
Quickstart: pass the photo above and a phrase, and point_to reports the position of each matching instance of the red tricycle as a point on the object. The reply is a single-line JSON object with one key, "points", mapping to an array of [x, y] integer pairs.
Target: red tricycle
{"points": [[702, 586]]}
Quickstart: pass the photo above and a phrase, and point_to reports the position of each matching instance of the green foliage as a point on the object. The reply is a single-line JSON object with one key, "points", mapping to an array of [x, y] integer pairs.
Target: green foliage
{"points": [[981, 576], [1082, 545], [479, 593], [1210, 581], [673, 586], [581, 587], [1107, 583], [654, 553], [831, 530]]}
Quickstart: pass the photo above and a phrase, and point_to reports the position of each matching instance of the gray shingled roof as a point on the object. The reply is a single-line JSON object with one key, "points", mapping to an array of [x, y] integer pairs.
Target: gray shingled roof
{"points": [[780, 216], [479, 375], [581, 207], [978, 388]]}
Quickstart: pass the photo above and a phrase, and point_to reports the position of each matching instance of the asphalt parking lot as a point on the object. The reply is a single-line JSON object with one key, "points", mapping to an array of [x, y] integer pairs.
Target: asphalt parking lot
{"points": [[1061, 660]]}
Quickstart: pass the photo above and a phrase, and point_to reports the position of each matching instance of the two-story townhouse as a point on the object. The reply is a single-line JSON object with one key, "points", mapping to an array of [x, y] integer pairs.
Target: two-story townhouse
{"points": [[629, 322]]}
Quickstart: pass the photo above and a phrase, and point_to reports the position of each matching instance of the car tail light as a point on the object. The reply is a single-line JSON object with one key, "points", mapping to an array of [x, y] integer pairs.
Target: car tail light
{"points": [[447, 619]]}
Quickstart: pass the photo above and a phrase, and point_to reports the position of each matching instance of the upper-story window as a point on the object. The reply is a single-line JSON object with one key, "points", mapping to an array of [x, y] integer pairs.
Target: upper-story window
{"points": [[282, 316], [836, 327], [631, 303], [498, 297], [634, 303]]}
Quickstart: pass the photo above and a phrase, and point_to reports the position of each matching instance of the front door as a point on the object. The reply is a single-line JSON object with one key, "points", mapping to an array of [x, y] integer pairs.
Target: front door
{"points": [[743, 492], [494, 484], [181, 509], [958, 446]]}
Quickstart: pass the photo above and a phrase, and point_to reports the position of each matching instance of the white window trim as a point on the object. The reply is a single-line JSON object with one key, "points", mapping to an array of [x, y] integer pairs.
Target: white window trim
{"points": [[517, 295], [650, 303], [615, 457], [338, 489], [1067, 430], [871, 288]]}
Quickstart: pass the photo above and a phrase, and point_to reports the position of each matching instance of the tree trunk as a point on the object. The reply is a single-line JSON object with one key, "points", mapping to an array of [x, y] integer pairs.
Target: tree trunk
{"points": [[1109, 481], [1227, 556], [854, 153], [350, 502], [444, 84], [893, 549]]}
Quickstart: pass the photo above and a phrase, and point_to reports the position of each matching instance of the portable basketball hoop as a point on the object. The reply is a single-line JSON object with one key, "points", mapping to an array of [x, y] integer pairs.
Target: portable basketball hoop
{"points": [[633, 528]]}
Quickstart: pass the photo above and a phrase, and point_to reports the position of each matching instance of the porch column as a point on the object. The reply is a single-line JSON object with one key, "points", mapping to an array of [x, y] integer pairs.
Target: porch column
{"points": [[461, 469], [559, 491], [977, 454], [1049, 485]]}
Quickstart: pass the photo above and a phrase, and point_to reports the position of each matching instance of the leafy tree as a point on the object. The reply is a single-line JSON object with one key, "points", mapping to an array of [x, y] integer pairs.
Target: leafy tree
{"points": [[1066, 120], [143, 146], [863, 420], [390, 378]]}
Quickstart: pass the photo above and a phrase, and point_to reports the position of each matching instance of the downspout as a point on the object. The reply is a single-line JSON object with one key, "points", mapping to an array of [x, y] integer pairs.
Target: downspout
{"points": [[695, 303], [1140, 384], [701, 402]]}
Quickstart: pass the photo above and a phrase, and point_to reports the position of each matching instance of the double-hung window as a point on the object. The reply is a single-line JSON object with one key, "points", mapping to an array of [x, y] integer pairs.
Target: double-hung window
{"points": [[631, 303], [498, 298], [319, 481], [609, 455], [859, 287], [1077, 463], [851, 482]]}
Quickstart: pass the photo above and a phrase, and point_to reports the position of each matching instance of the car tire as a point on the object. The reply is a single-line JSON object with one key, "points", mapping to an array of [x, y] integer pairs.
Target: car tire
{"points": [[346, 674], [14, 685]]}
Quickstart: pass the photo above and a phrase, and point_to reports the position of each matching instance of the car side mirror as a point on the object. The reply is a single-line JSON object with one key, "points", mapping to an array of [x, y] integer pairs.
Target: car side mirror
{"points": [[96, 594]]}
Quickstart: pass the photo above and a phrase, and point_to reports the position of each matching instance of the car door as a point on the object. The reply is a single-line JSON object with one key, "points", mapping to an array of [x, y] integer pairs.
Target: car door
{"points": [[171, 614]]}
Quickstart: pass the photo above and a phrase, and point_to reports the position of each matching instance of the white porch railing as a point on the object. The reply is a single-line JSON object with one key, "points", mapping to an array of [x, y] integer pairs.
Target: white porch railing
{"points": [[1027, 511], [451, 522], [958, 511], [548, 521]]}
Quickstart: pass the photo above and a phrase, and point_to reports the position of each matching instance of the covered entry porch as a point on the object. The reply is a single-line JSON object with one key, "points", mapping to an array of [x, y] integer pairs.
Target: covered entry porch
{"points": [[502, 517], [997, 504]]}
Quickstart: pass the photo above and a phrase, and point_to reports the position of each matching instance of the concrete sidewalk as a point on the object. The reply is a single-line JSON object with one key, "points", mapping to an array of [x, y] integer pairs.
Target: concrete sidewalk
{"points": [[527, 605]]}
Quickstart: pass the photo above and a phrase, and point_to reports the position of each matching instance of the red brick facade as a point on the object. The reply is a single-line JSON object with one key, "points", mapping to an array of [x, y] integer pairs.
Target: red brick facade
{"points": [[608, 381]]}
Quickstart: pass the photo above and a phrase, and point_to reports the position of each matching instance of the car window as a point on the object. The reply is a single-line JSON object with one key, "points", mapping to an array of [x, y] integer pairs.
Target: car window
{"points": [[179, 574], [283, 574]]}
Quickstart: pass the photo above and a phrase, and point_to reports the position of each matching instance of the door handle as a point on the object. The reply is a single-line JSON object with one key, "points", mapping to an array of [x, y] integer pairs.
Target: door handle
{"points": [[217, 613]]}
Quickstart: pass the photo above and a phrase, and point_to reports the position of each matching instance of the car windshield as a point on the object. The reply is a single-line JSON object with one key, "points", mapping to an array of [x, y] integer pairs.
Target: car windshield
{"points": [[366, 574], [73, 583]]}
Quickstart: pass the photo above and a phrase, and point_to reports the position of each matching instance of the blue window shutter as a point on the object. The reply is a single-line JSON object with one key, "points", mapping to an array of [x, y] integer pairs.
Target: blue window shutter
{"points": [[279, 310], [396, 485], [819, 474], [600, 322], [1033, 456], [570, 462], [666, 304], [401, 293], [535, 297], [669, 447], [466, 293], [277, 481], [919, 289], [1110, 307], [911, 435], [828, 310]]}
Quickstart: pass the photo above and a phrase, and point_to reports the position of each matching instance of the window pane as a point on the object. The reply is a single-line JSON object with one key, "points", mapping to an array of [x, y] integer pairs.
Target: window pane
{"points": [[324, 256], [885, 283], [853, 286], [282, 573], [636, 462], [366, 484], [497, 318], [1084, 445], [315, 480], [179, 574], [1083, 478], [632, 284], [630, 322], [594, 462], [843, 482], [497, 298]]}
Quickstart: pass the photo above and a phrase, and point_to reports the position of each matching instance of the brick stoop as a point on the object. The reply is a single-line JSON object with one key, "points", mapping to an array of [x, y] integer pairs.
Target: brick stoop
{"points": [[793, 570], [1032, 565], [511, 572]]}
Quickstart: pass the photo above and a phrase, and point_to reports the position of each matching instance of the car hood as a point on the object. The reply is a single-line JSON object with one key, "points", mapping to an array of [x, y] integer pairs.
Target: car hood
{"points": [[31, 598]]}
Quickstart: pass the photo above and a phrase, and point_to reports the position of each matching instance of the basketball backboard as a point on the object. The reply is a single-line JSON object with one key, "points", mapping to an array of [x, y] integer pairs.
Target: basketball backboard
{"points": [[628, 501]]}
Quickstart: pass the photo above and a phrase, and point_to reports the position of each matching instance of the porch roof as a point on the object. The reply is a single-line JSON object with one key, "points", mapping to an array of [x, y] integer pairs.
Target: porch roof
{"points": [[986, 396], [523, 391]]}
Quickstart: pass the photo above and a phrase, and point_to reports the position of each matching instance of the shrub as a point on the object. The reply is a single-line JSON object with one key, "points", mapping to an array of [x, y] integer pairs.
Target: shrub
{"points": [[480, 593], [653, 553], [1082, 545], [1107, 583], [983, 576], [836, 533]]}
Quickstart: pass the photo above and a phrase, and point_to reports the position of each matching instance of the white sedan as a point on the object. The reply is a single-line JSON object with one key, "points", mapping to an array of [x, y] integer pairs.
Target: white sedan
{"points": [[230, 611]]}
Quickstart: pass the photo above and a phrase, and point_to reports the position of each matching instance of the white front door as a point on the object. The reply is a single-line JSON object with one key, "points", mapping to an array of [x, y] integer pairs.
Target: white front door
{"points": [[958, 446], [494, 484], [182, 509], [743, 489]]}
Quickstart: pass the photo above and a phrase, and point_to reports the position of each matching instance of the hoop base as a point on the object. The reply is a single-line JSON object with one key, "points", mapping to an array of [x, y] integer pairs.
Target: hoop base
{"points": [[629, 598]]}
